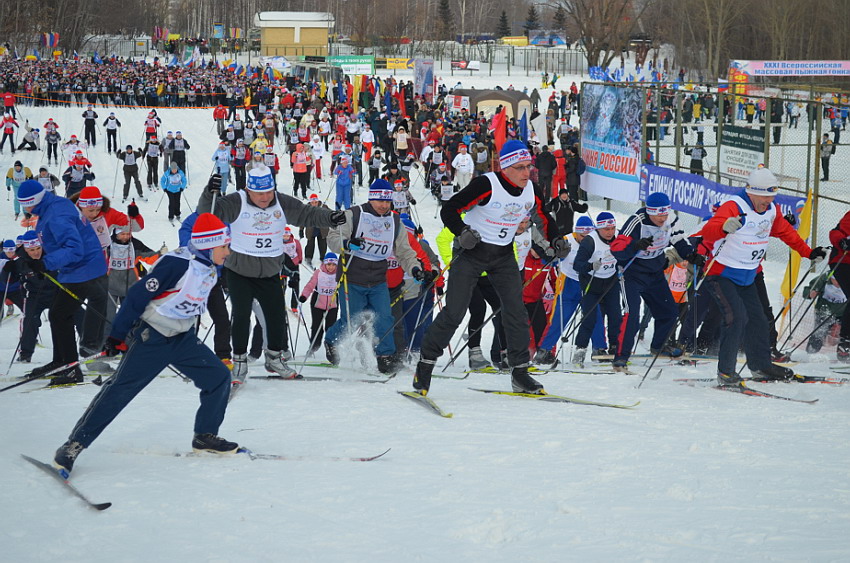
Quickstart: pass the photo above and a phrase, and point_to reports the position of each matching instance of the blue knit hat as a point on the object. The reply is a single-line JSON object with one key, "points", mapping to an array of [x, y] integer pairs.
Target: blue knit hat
{"points": [[330, 258], [513, 152], [9, 245], [605, 219], [30, 193], [657, 204], [380, 190], [407, 222], [30, 239], [584, 225]]}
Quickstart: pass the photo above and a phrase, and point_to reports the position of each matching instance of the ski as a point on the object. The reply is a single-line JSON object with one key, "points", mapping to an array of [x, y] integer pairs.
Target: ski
{"points": [[425, 402], [556, 399], [798, 378], [53, 472], [557, 367], [491, 370], [744, 390], [320, 378], [275, 457]]}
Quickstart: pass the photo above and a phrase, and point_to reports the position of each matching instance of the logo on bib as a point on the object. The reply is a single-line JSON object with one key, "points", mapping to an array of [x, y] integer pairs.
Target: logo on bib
{"points": [[513, 210]]}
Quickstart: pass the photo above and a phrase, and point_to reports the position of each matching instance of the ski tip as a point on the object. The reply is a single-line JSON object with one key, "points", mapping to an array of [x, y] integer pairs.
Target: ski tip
{"points": [[101, 506]]}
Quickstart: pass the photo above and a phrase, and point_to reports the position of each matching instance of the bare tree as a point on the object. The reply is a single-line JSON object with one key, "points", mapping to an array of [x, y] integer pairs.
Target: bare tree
{"points": [[603, 25]]}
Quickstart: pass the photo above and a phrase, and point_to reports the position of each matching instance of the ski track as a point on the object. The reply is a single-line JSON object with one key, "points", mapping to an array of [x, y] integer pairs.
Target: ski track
{"points": [[689, 473]]}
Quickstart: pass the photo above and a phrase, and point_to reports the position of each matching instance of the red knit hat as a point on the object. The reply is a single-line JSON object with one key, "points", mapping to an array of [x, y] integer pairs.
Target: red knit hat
{"points": [[90, 196], [209, 232]]}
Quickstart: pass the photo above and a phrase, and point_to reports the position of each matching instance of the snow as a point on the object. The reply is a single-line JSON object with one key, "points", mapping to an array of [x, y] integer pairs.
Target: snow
{"points": [[688, 474]]}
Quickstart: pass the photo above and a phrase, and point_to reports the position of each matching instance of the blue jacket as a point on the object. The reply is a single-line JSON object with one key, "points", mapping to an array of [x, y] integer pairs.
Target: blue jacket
{"points": [[624, 248], [70, 245], [165, 182]]}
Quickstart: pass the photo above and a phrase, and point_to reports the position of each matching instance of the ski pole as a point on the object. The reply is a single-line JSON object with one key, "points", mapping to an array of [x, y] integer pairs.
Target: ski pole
{"points": [[29, 378]]}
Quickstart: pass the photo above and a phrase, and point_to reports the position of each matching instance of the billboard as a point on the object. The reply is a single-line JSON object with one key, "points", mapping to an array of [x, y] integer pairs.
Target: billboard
{"points": [[792, 68], [423, 79], [695, 195], [611, 141], [466, 65], [395, 63], [354, 64], [741, 150], [546, 38]]}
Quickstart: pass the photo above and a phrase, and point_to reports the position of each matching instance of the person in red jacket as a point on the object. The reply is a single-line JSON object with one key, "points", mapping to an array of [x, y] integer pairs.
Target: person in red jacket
{"points": [[839, 237], [536, 273], [219, 115], [9, 104], [9, 126], [738, 235]]}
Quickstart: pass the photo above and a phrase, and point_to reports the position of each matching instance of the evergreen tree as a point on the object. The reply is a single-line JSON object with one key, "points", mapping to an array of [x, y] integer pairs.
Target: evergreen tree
{"points": [[532, 20], [560, 18], [445, 21], [504, 28]]}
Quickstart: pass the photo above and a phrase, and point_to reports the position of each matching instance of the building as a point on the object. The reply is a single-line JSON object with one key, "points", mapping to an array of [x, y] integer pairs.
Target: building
{"points": [[294, 33]]}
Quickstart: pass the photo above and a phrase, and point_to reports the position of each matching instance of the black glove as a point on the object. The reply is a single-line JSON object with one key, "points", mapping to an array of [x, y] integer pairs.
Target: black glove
{"points": [[37, 266], [113, 347], [302, 298], [791, 218], [337, 218], [696, 259], [439, 290], [412, 201], [844, 244], [418, 274], [214, 185], [817, 254], [133, 210], [354, 243], [294, 279], [468, 238], [561, 246], [644, 243]]}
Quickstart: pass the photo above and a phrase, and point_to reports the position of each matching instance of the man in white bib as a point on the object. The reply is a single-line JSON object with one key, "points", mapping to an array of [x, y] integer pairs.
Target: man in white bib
{"points": [[258, 216]]}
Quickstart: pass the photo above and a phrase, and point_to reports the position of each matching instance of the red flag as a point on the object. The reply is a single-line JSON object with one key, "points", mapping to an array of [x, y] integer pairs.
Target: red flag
{"points": [[400, 97], [498, 126]]}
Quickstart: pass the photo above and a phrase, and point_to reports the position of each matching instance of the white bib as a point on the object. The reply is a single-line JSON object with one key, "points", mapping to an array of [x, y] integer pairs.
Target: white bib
{"points": [[660, 239], [567, 265], [523, 247], [195, 286], [121, 256], [378, 234], [446, 191], [290, 249], [745, 248], [101, 229], [497, 221], [602, 251], [258, 232], [326, 284], [400, 200]]}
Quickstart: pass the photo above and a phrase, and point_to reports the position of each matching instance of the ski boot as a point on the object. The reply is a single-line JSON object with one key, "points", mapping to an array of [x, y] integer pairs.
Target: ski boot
{"points": [[213, 444], [240, 368], [422, 375], [773, 372], [67, 376], [578, 357], [387, 364], [331, 353], [544, 357], [476, 359], [277, 365], [521, 382], [668, 350], [729, 380], [65, 457]]}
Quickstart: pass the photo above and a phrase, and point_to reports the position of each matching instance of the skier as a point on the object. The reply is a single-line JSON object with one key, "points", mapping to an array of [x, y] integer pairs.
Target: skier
{"points": [[111, 124], [131, 158], [497, 203], [178, 147], [258, 215], [40, 293], [75, 178], [322, 286], [156, 328], [152, 150], [173, 183], [16, 176], [739, 234], [89, 123]]}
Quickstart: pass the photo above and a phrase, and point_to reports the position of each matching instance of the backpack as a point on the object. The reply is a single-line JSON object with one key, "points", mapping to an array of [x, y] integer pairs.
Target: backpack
{"points": [[581, 166]]}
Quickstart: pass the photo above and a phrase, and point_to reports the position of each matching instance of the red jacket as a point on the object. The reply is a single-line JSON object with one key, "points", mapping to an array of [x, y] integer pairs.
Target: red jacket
{"points": [[841, 231], [534, 277]]}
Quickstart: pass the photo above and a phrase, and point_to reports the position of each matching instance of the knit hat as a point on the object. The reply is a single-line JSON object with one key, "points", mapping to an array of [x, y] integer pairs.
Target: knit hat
{"points": [[407, 222], [287, 231], [30, 239], [174, 165], [605, 219], [330, 258], [90, 196], [19, 240], [314, 197], [9, 245], [209, 232], [18, 163], [657, 204], [762, 182], [260, 180], [30, 193], [513, 152], [380, 190], [584, 225]]}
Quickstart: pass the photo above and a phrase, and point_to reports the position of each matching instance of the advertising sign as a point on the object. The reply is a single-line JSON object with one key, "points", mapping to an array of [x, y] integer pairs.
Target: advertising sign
{"points": [[792, 68], [423, 79], [741, 150], [354, 64]]}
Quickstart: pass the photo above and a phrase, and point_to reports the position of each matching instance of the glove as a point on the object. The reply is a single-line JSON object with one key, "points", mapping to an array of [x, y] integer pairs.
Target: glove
{"points": [[468, 238], [418, 274], [294, 279], [596, 265], [302, 298], [412, 201], [561, 246], [163, 249], [338, 218], [113, 346], [644, 243], [133, 210], [214, 185], [696, 259], [818, 254], [732, 224], [37, 266], [844, 244], [354, 243], [791, 218]]}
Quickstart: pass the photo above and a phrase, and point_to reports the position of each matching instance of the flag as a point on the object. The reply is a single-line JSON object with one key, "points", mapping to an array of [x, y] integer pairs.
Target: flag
{"points": [[96, 59], [225, 64], [388, 99], [323, 88], [76, 56], [37, 56], [173, 62], [17, 56], [340, 92], [355, 92], [400, 97], [804, 229], [523, 127], [498, 127]]}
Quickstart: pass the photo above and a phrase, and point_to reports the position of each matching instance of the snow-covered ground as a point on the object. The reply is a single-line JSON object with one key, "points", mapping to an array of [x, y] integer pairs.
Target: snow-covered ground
{"points": [[690, 473]]}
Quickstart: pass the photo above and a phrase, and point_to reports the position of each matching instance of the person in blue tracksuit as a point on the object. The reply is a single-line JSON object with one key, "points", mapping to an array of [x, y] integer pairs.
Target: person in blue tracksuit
{"points": [[568, 301], [173, 183], [72, 248], [155, 328], [639, 249]]}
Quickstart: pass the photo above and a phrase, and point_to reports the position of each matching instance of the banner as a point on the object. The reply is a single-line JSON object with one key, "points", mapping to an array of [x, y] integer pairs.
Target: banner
{"points": [[611, 140], [466, 65], [353, 64], [218, 30], [457, 103], [693, 194], [423, 79], [546, 38], [741, 150], [396, 63], [792, 68]]}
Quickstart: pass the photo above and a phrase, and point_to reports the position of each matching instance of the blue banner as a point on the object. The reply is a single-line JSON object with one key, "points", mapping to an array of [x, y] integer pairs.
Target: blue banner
{"points": [[695, 195]]}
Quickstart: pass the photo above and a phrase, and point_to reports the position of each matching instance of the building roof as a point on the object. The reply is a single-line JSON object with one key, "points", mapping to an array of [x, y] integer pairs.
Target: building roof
{"points": [[291, 19]]}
